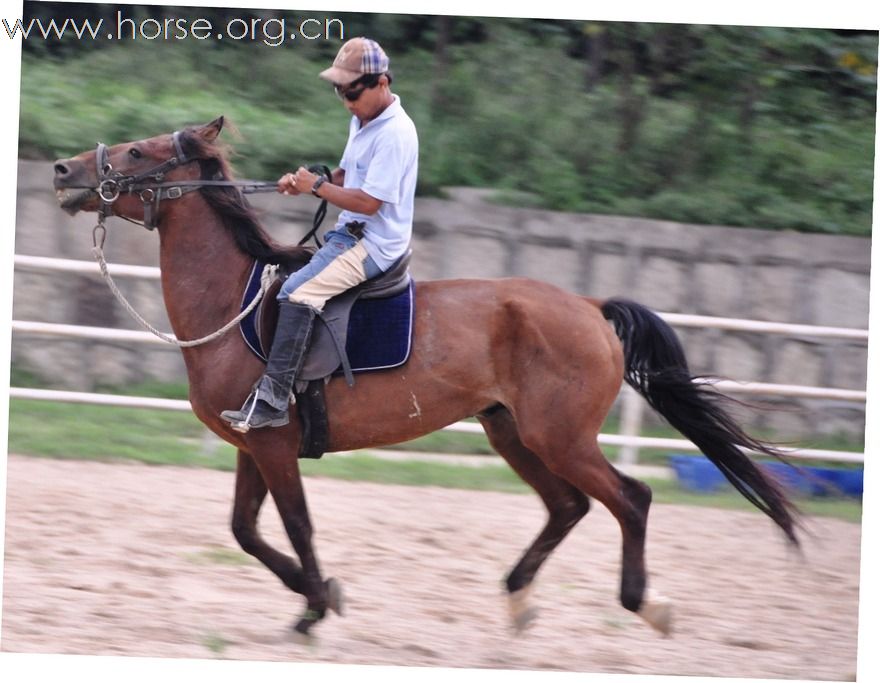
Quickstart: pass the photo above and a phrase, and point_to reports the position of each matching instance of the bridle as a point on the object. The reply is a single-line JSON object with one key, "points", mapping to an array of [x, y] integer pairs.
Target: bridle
{"points": [[151, 187]]}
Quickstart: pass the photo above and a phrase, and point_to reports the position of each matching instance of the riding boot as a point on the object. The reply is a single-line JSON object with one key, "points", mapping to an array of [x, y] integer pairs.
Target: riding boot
{"points": [[268, 404]]}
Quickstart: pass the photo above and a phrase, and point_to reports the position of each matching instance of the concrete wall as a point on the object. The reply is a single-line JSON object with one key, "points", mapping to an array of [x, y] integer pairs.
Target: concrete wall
{"points": [[673, 267]]}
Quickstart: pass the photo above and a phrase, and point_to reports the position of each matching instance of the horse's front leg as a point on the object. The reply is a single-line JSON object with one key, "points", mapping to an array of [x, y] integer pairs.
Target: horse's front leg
{"points": [[280, 474], [250, 492]]}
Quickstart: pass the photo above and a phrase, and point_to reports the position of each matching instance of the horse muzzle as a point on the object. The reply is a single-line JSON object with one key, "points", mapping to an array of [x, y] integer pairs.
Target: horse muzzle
{"points": [[74, 190], [74, 200]]}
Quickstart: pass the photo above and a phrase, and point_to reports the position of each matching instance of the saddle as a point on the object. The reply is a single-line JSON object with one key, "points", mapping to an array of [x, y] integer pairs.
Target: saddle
{"points": [[330, 351]]}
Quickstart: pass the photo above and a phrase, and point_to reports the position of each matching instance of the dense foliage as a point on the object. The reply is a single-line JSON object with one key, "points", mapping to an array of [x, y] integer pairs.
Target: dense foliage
{"points": [[752, 126]]}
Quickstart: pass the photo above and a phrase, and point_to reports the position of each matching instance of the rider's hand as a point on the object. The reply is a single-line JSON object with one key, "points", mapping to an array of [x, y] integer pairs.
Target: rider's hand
{"points": [[304, 179], [287, 184]]}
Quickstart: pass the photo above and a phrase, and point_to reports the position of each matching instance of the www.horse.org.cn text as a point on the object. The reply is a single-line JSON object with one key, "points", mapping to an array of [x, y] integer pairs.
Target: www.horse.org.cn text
{"points": [[272, 31]]}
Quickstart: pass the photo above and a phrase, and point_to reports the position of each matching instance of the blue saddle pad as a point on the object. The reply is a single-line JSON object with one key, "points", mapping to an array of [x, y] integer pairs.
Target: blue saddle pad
{"points": [[380, 332]]}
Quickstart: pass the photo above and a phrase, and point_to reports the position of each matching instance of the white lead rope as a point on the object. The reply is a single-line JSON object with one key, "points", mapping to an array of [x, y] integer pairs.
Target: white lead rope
{"points": [[266, 280]]}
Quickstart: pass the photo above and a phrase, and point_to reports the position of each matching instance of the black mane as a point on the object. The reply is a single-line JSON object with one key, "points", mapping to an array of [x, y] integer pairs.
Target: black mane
{"points": [[237, 214]]}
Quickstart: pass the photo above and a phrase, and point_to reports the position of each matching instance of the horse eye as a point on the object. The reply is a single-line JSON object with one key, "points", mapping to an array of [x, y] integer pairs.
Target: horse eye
{"points": [[135, 153]]}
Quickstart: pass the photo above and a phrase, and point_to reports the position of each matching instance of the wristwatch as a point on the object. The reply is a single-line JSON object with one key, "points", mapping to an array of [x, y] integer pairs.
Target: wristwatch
{"points": [[320, 181]]}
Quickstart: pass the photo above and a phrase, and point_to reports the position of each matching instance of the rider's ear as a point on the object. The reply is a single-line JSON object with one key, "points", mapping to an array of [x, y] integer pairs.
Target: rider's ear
{"points": [[210, 131]]}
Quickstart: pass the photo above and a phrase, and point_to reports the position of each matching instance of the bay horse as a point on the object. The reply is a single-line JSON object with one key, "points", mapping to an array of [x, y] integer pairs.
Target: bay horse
{"points": [[539, 367]]}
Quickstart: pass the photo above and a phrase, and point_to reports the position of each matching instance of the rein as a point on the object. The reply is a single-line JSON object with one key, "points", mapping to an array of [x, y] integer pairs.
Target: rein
{"points": [[152, 188], [266, 279]]}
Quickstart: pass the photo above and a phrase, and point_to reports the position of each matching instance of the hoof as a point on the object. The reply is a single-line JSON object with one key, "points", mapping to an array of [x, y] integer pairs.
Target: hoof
{"points": [[521, 613], [300, 638], [657, 611], [300, 630], [524, 619], [334, 596]]}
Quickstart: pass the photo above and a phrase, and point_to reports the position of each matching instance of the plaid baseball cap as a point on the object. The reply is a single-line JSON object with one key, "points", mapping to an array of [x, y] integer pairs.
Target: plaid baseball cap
{"points": [[356, 57]]}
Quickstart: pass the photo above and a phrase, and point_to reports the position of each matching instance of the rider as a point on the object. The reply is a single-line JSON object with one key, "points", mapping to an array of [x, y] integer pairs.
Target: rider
{"points": [[375, 187]]}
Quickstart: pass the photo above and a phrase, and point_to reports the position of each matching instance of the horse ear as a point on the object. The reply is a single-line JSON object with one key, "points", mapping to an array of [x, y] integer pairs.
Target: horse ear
{"points": [[210, 131]]}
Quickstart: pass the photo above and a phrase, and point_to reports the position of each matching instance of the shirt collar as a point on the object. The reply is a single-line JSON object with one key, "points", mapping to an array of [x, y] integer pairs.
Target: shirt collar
{"points": [[389, 111]]}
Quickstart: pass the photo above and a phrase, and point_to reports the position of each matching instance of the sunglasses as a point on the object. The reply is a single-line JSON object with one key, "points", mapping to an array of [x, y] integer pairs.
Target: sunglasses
{"points": [[352, 94]]}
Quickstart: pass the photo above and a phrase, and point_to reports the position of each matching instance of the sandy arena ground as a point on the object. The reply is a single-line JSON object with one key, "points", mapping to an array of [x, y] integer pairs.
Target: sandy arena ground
{"points": [[127, 559]]}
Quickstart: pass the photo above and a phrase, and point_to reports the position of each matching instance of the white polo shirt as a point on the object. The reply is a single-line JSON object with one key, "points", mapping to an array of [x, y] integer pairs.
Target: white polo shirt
{"points": [[382, 159]]}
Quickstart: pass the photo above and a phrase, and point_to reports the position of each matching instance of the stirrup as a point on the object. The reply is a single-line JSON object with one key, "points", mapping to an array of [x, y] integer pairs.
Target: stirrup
{"points": [[244, 426], [268, 418]]}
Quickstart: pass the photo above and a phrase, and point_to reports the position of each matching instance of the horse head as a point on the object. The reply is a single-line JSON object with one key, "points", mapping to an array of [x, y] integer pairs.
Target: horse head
{"points": [[133, 180], [127, 177]]}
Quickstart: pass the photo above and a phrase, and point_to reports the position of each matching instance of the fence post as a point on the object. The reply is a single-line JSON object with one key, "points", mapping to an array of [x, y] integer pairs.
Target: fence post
{"points": [[630, 425]]}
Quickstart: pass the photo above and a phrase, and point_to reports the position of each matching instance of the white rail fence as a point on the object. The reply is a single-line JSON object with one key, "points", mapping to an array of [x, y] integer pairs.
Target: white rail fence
{"points": [[631, 414]]}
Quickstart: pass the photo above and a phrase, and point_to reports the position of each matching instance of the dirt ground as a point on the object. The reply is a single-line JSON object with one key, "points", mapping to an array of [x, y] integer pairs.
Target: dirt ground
{"points": [[127, 559]]}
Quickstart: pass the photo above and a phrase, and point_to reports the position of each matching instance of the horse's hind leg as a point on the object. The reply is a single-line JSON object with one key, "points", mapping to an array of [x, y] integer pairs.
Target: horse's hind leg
{"points": [[628, 500], [250, 492], [566, 505]]}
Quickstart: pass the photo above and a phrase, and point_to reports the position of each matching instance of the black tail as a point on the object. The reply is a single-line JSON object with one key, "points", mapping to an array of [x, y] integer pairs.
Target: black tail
{"points": [[656, 367]]}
